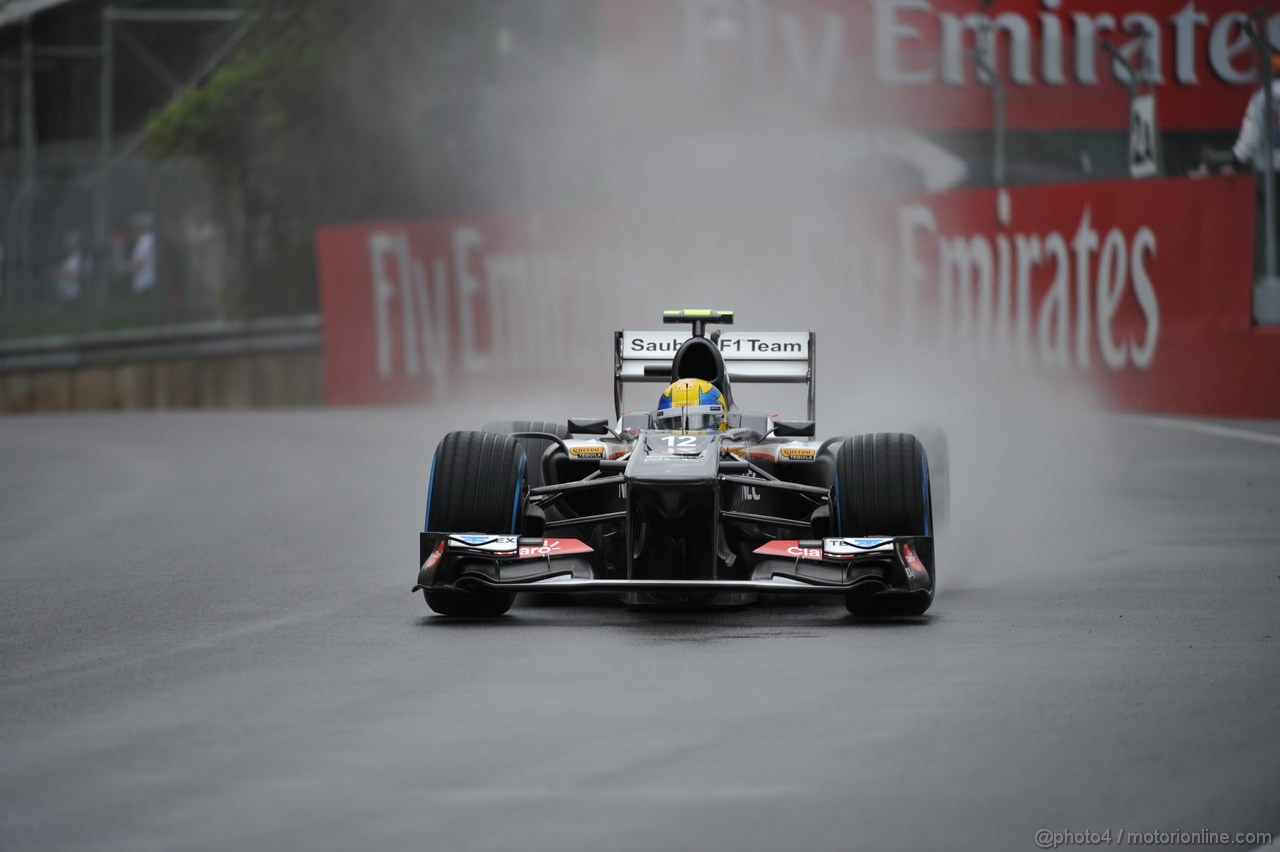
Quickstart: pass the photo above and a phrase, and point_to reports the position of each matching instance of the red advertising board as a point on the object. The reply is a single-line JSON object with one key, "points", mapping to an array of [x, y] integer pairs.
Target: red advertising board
{"points": [[414, 309], [911, 62], [1142, 287]]}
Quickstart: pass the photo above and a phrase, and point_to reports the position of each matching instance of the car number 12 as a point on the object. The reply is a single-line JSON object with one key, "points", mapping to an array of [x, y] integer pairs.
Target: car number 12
{"points": [[682, 441]]}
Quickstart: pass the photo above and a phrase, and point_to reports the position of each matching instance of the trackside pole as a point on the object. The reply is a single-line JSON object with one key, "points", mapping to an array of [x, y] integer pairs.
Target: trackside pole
{"points": [[985, 66], [1266, 290]]}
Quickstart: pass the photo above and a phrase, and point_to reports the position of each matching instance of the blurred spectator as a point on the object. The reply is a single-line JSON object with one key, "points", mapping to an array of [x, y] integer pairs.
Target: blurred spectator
{"points": [[1251, 146], [206, 261], [1251, 151], [71, 272], [118, 260], [142, 259], [171, 260]]}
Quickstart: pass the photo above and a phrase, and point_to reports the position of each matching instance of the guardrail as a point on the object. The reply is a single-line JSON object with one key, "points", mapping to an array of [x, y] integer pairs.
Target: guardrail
{"points": [[199, 340], [263, 362]]}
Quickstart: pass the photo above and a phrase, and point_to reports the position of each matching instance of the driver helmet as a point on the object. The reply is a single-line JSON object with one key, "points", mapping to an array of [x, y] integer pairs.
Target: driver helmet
{"points": [[691, 405]]}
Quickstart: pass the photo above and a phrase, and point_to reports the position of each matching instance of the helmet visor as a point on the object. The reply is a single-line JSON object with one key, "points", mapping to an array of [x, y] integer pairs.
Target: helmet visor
{"points": [[693, 418]]}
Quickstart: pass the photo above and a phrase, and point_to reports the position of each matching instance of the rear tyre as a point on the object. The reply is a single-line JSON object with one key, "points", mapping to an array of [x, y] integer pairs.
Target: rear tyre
{"points": [[882, 488], [534, 448], [478, 484]]}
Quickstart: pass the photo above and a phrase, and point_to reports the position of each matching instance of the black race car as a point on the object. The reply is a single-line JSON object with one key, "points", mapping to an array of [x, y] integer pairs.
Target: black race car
{"points": [[690, 505]]}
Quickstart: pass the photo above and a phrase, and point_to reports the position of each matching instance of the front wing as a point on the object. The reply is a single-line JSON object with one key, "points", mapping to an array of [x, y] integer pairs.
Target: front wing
{"points": [[477, 561]]}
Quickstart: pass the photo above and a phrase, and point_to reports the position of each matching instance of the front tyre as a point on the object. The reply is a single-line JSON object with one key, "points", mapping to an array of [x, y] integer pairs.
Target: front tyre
{"points": [[882, 489], [478, 484], [534, 448]]}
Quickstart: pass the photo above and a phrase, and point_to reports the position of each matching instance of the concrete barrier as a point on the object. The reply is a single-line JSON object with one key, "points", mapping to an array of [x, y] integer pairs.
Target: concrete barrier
{"points": [[259, 363]]}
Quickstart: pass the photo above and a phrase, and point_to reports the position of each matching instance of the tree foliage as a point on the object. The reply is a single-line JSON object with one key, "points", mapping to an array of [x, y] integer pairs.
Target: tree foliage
{"points": [[305, 124], [336, 109], [343, 110], [254, 115]]}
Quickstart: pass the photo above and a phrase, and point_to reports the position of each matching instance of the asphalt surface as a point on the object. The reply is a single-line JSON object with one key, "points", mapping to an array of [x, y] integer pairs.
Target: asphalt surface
{"points": [[208, 642]]}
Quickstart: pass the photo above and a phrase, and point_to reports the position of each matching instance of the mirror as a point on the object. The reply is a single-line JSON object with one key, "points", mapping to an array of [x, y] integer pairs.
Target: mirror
{"points": [[588, 426], [794, 428]]}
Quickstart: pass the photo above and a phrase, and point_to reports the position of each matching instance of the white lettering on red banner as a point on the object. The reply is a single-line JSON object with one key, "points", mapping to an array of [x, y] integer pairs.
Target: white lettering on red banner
{"points": [[984, 285], [918, 53], [1142, 285]]}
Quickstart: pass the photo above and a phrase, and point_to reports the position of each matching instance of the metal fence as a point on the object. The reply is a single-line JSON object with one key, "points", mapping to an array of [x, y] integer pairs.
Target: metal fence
{"points": [[81, 228], [164, 257], [94, 236]]}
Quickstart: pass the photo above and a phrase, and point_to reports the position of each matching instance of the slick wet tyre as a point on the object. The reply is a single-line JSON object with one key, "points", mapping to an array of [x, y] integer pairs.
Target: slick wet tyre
{"points": [[881, 488], [478, 484]]}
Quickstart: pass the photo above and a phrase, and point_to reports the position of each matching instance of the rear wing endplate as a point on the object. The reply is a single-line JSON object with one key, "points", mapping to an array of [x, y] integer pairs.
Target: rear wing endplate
{"points": [[750, 357]]}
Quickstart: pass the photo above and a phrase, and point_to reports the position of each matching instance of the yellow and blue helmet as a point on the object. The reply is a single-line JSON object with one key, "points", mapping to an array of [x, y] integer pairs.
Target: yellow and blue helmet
{"points": [[691, 405]]}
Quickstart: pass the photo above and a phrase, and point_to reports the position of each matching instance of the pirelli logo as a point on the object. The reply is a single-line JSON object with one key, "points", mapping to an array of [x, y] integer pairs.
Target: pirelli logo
{"points": [[799, 453]]}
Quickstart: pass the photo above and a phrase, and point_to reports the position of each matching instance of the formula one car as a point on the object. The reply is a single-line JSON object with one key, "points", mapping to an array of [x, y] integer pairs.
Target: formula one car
{"points": [[696, 503]]}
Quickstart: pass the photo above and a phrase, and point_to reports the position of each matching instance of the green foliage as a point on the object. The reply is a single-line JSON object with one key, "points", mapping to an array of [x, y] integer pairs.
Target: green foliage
{"points": [[312, 114], [212, 122], [254, 125], [252, 104], [346, 110]]}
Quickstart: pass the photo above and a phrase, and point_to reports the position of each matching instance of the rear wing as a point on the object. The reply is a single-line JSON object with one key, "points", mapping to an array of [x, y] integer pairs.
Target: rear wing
{"points": [[760, 357]]}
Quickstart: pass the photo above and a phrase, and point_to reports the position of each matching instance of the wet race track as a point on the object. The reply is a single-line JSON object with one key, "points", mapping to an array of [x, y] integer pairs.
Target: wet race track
{"points": [[209, 643]]}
